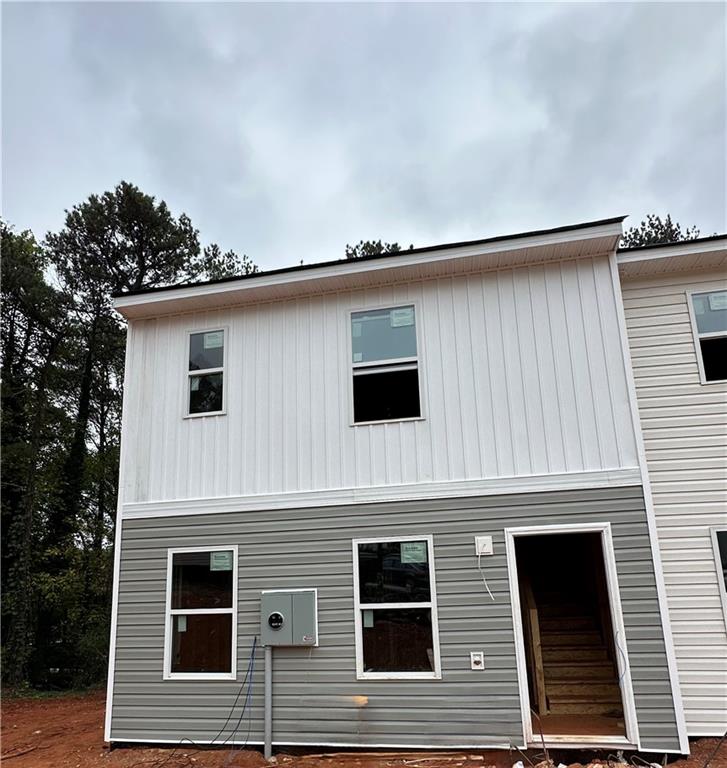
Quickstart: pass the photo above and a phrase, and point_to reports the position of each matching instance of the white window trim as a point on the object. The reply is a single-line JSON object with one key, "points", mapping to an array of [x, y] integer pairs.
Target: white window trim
{"points": [[401, 362], [696, 335], [170, 612], [624, 670], [718, 566], [358, 606], [201, 372]]}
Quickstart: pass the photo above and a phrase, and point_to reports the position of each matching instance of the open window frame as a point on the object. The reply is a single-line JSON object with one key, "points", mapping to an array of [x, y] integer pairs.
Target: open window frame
{"points": [[698, 337], [431, 604], [170, 613], [190, 374], [720, 565], [390, 365]]}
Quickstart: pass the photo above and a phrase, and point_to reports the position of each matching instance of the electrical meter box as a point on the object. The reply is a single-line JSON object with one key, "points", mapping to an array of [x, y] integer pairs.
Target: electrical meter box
{"points": [[289, 617]]}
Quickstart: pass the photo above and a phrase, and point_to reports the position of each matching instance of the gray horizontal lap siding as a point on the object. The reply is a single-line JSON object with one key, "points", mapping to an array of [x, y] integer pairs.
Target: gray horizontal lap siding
{"points": [[317, 698]]}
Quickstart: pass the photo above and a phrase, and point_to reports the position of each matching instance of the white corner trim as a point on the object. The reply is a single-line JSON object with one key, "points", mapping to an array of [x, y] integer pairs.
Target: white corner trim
{"points": [[331, 497], [609, 560], [117, 543], [650, 515]]}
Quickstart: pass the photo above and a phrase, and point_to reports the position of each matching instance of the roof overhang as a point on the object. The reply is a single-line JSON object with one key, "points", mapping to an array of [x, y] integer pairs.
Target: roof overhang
{"points": [[706, 253], [564, 243]]}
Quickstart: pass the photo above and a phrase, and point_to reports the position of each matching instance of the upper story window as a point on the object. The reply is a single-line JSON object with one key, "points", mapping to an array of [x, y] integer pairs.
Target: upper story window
{"points": [[396, 611], [201, 613], [206, 373], [710, 330], [385, 365]]}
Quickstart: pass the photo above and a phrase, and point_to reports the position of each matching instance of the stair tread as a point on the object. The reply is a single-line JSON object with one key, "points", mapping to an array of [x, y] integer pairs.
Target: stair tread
{"points": [[581, 663], [600, 646], [561, 698]]}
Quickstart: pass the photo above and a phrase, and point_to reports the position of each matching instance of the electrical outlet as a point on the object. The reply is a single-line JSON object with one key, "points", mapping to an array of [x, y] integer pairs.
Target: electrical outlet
{"points": [[477, 659], [483, 545]]}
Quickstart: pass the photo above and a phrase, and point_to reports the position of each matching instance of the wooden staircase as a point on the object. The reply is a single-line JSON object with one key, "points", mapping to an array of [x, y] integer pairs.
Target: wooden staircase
{"points": [[580, 676]]}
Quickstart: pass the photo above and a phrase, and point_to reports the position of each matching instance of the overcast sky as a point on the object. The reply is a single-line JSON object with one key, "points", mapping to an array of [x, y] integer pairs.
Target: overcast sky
{"points": [[286, 130]]}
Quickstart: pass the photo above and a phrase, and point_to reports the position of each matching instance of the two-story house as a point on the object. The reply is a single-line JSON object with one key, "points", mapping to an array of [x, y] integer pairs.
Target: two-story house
{"points": [[444, 443], [675, 297]]}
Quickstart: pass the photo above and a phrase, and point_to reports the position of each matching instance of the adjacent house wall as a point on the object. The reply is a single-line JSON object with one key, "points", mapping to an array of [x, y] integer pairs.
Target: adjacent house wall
{"points": [[522, 374], [317, 698], [685, 434]]}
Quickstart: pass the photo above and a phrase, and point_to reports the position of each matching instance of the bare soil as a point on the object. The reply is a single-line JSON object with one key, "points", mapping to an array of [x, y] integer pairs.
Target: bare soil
{"points": [[67, 732]]}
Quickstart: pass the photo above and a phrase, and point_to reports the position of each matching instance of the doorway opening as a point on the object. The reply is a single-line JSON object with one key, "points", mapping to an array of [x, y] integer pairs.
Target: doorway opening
{"points": [[570, 651]]}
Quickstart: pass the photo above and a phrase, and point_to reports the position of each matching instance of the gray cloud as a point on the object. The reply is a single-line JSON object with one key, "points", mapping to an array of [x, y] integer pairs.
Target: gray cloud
{"points": [[287, 130]]}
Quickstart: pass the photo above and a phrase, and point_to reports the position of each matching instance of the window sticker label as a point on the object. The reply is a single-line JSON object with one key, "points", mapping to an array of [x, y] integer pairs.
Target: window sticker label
{"points": [[213, 340], [357, 357], [368, 619], [402, 317], [194, 383], [181, 623], [356, 328], [220, 561], [413, 551], [718, 301]]}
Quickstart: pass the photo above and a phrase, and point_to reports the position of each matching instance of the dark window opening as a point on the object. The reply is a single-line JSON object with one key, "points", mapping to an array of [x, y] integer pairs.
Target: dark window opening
{"points": [[386, 395], [205, 393], [198, 581], [202, 642], [714, 358], [722, 549], [397, 640], [393, 572], [206, 350]]}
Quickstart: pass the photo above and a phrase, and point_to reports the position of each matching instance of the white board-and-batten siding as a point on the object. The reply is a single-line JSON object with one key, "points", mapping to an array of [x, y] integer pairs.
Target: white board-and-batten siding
{"points": [[684, 424], [521, 370]]}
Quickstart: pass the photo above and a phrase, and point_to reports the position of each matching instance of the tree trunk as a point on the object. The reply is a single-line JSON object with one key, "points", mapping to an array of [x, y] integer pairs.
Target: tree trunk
{"points": [[62, 520], [18, 592]]}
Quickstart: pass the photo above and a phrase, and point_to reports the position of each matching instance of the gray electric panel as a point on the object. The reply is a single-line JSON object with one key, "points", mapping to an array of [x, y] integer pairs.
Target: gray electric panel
{"points": [[289, 617]]}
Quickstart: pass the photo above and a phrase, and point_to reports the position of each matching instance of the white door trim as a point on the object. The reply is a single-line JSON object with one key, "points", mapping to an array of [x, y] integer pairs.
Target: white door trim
{"points": [[609, 559]]}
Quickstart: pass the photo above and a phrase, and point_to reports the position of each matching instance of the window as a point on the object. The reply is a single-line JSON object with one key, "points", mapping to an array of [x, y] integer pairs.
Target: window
{"points": [[719, 542], [709, 322], [396, 612], [201, 625], [205, 373], [385, 365]]}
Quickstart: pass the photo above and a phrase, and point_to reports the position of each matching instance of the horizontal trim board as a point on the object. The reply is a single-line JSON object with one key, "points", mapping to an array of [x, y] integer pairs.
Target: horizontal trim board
{"points": [[347, 744], [612, 478]]}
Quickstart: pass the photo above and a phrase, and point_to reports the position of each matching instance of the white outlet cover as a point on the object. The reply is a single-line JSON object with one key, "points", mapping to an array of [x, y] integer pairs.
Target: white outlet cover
{"points": [[477, 660], [483, 545]]}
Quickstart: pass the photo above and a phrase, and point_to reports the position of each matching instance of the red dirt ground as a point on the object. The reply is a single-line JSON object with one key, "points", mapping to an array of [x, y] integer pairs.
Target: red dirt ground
{"points": [[67, 732]]}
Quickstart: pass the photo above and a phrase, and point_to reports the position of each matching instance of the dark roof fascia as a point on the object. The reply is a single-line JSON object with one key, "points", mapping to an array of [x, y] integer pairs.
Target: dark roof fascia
{"points": [[373, 257], [655, 246]]}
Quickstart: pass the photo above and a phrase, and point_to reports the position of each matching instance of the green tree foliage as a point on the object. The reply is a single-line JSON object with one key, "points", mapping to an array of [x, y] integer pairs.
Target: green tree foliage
{"points": [[656, 230], [371, 248], [62, 369]]}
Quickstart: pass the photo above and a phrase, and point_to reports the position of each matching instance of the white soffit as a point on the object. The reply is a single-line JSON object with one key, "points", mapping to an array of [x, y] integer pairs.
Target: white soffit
{"points": [[423, 264], [687, 256]]}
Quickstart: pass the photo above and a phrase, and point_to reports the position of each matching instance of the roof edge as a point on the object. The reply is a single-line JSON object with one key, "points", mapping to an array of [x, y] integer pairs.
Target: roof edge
{"points": [[374, 257], [673, 244]]}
